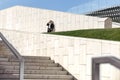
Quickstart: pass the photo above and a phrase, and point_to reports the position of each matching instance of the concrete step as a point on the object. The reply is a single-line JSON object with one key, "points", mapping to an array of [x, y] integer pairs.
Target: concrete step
{"points": [[5, 55], [4, 48], [2, 44], [38, 79], [31, 67], [32, 60], [3, 59], [1, 41], [36, 76], [29, 64], [36, 57], [51, 72], [33, 57]]}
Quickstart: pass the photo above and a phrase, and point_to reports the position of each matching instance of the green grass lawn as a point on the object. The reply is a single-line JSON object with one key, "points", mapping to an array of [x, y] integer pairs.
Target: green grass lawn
{"points": [[106, 34]]}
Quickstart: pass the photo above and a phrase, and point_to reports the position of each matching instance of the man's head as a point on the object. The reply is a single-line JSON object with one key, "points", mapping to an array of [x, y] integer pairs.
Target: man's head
{"points": [[51, 21]]}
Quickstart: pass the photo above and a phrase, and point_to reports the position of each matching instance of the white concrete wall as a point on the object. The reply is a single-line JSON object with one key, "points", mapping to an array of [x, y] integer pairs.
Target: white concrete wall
{"points": [[115, 25], [71, 52], [75, 55], [34, 20]]}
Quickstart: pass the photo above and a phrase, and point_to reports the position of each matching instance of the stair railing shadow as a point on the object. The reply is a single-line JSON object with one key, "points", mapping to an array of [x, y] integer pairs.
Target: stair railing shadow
{"points": [[67, 71]]}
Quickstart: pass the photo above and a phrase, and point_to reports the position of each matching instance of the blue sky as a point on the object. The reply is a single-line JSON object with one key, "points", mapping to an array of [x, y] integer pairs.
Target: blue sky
{"points": [[93, 6], [72, 6], [59, 5]]}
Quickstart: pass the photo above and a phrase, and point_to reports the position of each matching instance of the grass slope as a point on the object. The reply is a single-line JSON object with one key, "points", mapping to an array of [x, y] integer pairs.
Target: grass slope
{"points": [[106, 34]]}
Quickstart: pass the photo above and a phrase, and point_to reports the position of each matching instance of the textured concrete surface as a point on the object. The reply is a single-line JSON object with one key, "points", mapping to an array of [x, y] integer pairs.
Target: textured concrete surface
{"points": [[23, 26], [34, 20]]}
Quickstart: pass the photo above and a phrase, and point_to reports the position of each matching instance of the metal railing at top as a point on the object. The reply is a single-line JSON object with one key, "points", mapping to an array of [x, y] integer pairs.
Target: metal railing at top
{"points": [[99, 60], [17, 55]]}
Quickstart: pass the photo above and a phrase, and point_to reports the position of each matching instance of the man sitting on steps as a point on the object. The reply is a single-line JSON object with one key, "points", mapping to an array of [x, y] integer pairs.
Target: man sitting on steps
{"points": [[51, 26]]}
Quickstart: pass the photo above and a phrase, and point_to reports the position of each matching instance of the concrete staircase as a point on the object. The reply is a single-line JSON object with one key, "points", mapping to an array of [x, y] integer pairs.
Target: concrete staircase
{"points": [[36, 68]]}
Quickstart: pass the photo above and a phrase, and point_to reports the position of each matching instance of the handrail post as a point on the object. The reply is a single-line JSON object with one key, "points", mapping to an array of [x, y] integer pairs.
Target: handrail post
{"points": [[21, 71], [17, 54], [95, 70], [102, 60]]}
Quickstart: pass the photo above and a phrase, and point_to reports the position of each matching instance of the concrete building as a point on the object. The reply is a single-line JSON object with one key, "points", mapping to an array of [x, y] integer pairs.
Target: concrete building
{"points": [[35, 20], [112, 12], [24, 27]]}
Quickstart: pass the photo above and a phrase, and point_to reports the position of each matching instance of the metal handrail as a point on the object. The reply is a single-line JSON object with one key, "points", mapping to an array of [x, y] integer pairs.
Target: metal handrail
{"points": [[17, 55], [99, 60]]}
